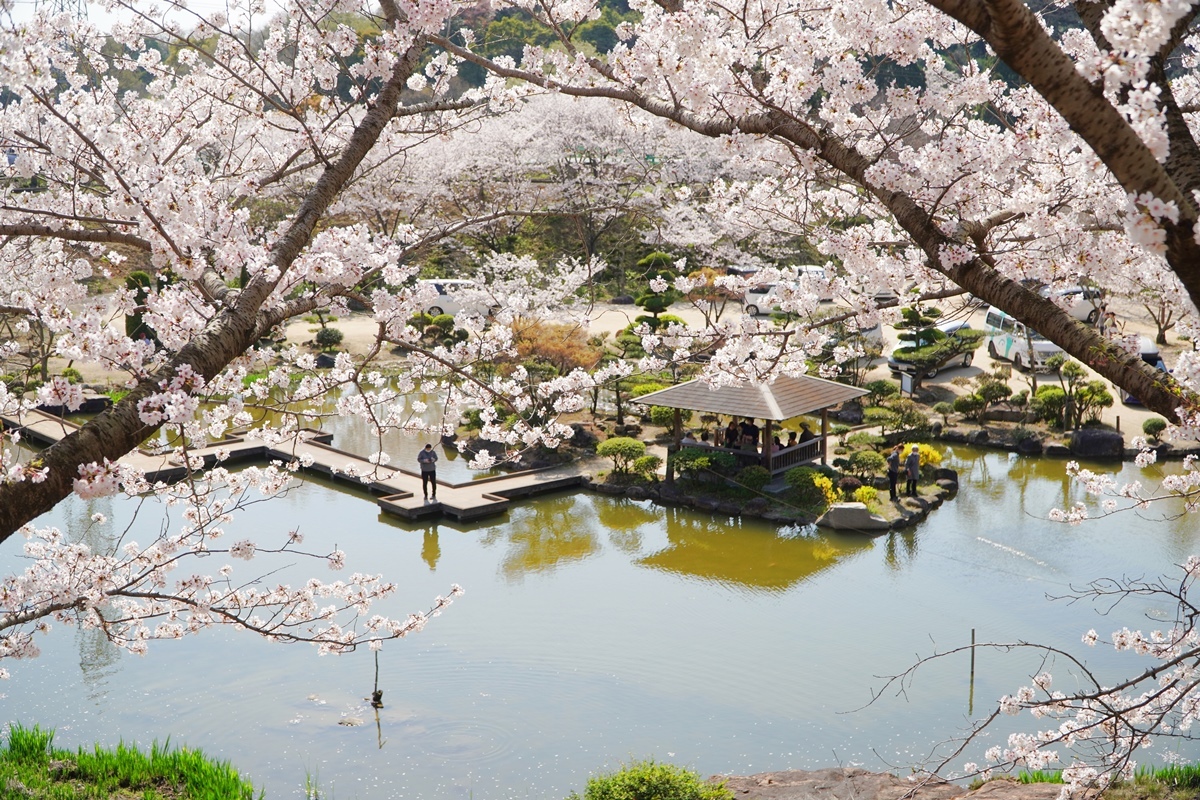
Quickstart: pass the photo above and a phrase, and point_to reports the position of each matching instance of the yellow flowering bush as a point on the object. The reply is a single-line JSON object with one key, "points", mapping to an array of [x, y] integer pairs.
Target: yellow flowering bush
{"points": [[929, 456]]}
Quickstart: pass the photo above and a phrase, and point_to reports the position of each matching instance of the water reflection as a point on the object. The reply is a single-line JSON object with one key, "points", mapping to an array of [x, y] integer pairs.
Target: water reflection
{"points": [[607, 651], [431, 551], [900, 549], [625, 520], [99, 660], [542, 536], [747, 555]]}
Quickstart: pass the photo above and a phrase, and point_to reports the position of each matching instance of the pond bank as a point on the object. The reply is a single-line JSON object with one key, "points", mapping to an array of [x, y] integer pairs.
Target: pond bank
{"points": [[894, 515], [840, 783]]}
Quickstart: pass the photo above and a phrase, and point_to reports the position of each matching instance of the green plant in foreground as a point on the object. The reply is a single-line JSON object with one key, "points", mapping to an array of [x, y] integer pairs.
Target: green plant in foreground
{"points": [[28, 760], [649, 780]]}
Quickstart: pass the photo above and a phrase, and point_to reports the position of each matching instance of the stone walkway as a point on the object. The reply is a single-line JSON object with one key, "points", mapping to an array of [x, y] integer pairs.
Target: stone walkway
{"points": [[400, 489]]}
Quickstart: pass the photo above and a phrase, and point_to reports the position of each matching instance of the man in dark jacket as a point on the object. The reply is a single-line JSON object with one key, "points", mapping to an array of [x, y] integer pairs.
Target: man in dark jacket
{"points": [[427, 459]]}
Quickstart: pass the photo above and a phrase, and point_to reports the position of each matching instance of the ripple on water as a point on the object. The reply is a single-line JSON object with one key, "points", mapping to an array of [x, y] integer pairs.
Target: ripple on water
{"points": [[461, 740]]}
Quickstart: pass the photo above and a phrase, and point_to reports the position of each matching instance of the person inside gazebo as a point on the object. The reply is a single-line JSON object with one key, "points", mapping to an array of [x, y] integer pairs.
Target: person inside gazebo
{"points": [[750, 433]]}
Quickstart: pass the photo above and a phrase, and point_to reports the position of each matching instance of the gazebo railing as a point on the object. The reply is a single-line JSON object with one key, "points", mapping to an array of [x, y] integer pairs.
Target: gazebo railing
{"points": [[795, 456]]}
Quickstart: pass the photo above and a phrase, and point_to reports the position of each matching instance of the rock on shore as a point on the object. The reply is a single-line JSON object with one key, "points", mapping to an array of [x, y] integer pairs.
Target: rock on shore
{"points": [[858, 784]]}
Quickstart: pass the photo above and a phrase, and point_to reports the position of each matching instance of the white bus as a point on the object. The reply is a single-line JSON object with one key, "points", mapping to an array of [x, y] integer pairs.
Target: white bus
{"points": [[1009, 339]]}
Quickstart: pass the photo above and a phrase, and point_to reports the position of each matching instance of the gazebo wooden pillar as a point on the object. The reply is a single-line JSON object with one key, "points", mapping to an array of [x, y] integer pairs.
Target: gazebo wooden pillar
{"points": [[824, 433], [767, 455]]}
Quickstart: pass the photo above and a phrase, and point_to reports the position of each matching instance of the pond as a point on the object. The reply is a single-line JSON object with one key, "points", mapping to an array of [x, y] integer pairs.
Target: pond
{"points": [[597, 630]]}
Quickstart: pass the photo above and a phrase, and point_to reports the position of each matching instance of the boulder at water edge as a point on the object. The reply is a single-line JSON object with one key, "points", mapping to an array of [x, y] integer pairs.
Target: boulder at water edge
{"points": [[852, 517], [1097, 443]]}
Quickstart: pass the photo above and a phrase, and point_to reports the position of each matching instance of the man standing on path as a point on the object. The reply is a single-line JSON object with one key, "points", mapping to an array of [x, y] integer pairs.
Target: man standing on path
{"points": [[912, 465], [427, 459]]}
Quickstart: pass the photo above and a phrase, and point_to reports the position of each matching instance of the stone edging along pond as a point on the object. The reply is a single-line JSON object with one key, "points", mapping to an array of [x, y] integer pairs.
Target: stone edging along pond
{"points": [[900, 514]]}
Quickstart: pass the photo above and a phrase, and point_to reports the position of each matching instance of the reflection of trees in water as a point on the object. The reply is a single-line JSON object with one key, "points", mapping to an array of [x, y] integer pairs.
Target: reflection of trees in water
{"points": [[624, 520], [543, 535], [98, 659], [747, 553]]}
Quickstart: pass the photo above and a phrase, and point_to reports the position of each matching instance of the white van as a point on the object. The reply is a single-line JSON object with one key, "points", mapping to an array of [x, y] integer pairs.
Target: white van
{"points": [[1009, 339]]}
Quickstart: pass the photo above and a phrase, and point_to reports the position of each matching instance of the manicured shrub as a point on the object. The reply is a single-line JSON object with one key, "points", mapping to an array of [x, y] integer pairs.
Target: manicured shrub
{"points": [[329, 338], [622, 450], [864, 439], [1154, 427], [866, 463], [652, 781], [646, 466], [968, 405], [878, 415], [848, 485], [645, 388], [664, 416], [72, 375], [810, 487], [1049, 403], [754, 477], [695, 462], [868, 496], [945, 409], [880, 391]]}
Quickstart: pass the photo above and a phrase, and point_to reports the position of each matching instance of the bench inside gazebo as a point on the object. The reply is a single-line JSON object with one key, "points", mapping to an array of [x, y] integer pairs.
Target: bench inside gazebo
{"points": [[783, 398]]}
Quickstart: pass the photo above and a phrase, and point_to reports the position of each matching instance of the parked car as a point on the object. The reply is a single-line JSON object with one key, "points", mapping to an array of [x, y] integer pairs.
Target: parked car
{"points": [[764, 299], [1084, 303], [955, 347], [1009, 339], [451, 297]]}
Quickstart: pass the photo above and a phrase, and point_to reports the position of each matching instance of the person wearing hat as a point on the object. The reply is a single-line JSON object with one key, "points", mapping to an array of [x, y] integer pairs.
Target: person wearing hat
{"points": [[806, 434], [912, 465]]}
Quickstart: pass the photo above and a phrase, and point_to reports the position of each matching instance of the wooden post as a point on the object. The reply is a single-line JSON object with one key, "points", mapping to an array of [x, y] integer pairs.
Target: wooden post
{"points": [[677, 426], [824, 434], [768, 456]]}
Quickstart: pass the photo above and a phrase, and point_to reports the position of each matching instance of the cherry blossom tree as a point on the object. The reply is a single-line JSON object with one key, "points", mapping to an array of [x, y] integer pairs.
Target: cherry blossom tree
{"points": [[233, 175], [964, 174], [927, 147]]}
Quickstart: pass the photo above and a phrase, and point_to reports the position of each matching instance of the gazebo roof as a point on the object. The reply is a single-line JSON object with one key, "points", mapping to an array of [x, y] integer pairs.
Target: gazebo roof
{"points": [[782, 399]]}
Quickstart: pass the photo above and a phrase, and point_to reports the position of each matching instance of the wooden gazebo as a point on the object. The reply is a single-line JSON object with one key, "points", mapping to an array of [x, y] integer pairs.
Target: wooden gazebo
{"points": [[784, 398]]}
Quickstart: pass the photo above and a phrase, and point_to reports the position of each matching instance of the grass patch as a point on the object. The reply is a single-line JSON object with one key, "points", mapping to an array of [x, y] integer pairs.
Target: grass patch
{"points": [[31, 767], [1174, 782]]}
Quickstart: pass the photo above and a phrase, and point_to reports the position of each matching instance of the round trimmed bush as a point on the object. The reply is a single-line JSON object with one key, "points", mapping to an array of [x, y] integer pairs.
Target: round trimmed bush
{"points": [[754, 477], [328, 338], [865, 463], [1154, 427], [646, 465], [664, 416], [622, 450], [848, 485]]}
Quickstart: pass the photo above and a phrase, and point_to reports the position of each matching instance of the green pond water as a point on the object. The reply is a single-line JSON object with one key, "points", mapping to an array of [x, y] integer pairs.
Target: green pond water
{"points": [[597, 630]]}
